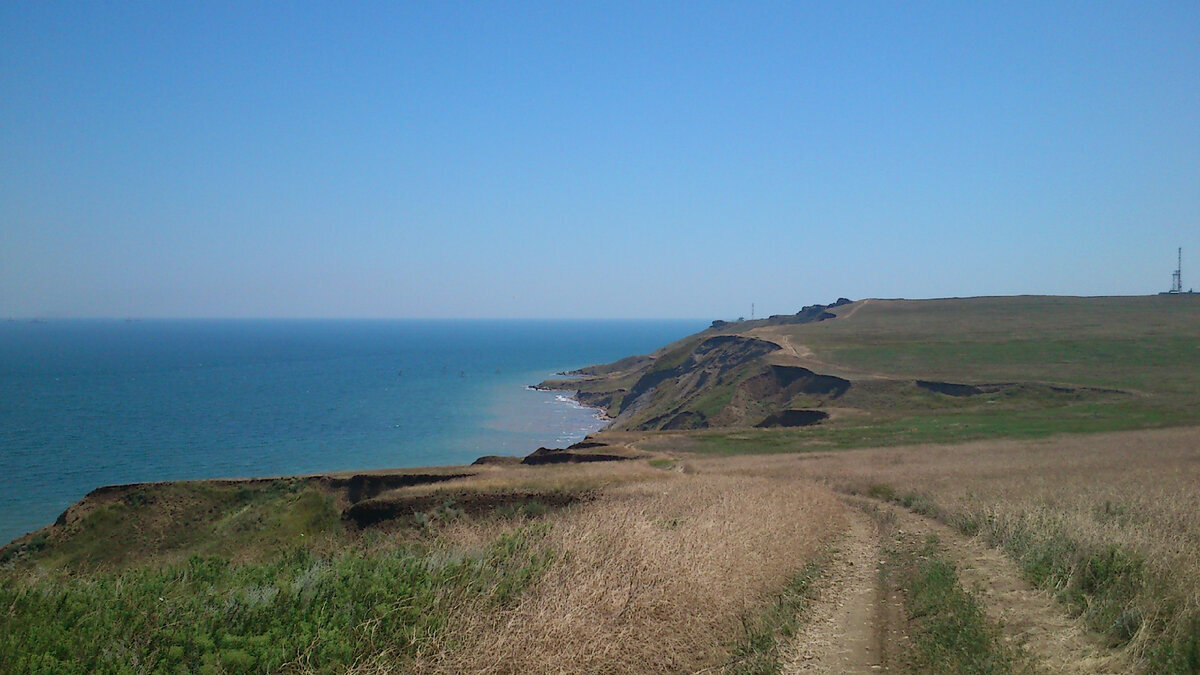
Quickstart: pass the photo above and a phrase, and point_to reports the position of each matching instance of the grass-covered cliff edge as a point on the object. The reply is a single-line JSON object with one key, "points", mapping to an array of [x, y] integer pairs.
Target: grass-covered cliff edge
{"points": [[898, 371], [993, 484]]}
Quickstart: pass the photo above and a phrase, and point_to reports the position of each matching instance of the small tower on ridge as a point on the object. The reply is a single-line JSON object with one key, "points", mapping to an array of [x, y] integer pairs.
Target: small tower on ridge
{"points": [[1177, 275]]}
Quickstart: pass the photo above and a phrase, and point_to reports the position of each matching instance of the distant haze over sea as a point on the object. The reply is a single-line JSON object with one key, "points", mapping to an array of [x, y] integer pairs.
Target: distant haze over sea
{"points": [[85, 403]]}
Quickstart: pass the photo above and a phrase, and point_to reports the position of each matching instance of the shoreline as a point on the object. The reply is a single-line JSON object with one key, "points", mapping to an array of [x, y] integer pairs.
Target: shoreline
{"points": [[194, 400], [601, 413], [349, 476]]}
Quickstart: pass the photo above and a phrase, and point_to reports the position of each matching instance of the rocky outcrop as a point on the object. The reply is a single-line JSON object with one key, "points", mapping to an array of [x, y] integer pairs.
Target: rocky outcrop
{"points": [[713, 379], [706, 362]]}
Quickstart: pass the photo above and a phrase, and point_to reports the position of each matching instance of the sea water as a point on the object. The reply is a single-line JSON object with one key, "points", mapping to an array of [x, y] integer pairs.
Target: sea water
{"points": [[85, 403]]}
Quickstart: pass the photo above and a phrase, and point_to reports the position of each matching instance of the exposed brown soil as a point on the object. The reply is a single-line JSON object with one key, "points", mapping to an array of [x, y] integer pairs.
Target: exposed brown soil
{"points": [[950, 388], [365, 486], [496, 460], [854, 625], [584, 451], [347, 488]]}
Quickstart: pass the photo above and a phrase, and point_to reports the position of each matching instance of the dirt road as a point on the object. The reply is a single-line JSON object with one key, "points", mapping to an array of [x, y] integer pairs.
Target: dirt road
{"points": [[857, 625]]}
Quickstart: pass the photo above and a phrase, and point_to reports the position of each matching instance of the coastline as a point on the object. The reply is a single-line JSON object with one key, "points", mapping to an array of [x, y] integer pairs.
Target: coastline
{"points": [[357, 481], [576, 400], [174, 400]]}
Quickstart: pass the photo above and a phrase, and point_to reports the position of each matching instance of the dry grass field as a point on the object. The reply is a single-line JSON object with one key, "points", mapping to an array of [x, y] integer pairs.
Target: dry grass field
{"points": [[684, 563], [1107, 522], [653, 576], [617, 567]]}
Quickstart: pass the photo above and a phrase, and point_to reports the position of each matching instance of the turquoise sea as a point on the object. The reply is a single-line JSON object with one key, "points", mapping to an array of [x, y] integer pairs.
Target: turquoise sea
{"points": [[85, 403]]}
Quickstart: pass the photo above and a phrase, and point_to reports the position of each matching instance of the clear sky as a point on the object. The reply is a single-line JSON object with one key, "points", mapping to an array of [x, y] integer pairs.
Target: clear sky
{"points": [[577, 159]]}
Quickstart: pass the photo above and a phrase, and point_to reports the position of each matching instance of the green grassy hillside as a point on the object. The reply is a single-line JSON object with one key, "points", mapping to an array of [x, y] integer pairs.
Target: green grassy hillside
{"points": [[899, 371]]}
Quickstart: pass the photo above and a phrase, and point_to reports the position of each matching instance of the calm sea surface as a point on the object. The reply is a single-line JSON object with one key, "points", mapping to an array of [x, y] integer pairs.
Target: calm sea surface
{"points": [[90, 403]]}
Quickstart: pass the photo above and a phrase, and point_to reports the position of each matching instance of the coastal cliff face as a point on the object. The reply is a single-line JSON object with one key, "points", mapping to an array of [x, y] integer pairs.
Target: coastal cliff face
{"points": [[723, 376], [793, 371], [710, 381]]}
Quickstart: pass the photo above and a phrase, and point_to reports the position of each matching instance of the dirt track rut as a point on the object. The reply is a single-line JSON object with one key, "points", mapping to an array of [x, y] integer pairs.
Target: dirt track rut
{"points": [[855, 625]]}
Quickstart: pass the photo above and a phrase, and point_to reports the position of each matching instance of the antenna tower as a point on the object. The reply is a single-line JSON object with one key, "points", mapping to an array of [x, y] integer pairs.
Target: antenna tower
{"points": [[752, 311], [1177, 275]]}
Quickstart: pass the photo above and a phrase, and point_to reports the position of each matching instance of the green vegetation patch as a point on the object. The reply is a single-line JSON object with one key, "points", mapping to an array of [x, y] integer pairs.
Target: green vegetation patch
{"points": [[944, 426], [949, 629], [162, 520], [298, 611], [1148, 362]]}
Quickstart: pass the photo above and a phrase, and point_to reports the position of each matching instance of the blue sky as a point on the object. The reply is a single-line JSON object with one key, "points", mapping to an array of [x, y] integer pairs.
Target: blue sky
{"points": [[589, 159]]}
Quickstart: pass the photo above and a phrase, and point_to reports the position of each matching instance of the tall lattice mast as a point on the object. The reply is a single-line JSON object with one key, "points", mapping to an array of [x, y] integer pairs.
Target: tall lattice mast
{"points": [[1177, 275]]}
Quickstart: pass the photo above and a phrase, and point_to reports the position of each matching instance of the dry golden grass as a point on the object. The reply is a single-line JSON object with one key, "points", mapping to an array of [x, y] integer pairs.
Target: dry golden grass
{"points": [[572, 478], [652, 576], [1135, 493]]}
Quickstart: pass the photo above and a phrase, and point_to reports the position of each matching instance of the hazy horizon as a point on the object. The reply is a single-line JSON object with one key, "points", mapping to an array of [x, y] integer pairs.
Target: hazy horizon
{"points": [[744, 316], [587, 160]]}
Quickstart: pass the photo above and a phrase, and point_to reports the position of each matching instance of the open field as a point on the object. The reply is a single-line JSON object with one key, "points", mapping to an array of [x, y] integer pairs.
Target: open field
{"points": [[642, 570]]}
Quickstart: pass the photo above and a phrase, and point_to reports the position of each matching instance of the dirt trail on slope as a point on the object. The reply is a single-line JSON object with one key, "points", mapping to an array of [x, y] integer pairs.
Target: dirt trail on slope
{"points": [[795, 353], [1027, 616], [853, 627], [857, 626], [854, 310]]}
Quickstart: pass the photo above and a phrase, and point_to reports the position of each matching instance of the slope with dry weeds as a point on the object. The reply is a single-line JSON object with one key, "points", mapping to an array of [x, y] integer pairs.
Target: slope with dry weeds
{"points": [[1105, 523], [651, 577]]}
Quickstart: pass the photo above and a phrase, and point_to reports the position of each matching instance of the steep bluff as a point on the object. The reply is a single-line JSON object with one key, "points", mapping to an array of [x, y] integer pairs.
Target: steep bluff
{"points": [[708, 380], [719, 377]]}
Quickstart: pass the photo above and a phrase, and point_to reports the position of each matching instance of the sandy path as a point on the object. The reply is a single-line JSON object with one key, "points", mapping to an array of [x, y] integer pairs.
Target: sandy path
{"points": [[855, 308], [792, 352], [796, 353], [849, 627]]}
